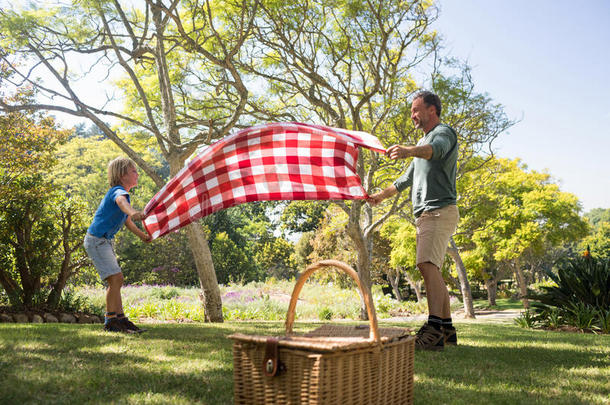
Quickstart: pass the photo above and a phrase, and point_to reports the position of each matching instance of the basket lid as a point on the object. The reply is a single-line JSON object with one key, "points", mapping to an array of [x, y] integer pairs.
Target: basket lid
{"points": [[330, 338]]}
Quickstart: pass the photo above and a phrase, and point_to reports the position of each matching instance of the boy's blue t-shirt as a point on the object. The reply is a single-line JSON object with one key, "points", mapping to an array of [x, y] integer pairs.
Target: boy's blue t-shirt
{"points": [[109, 218]]}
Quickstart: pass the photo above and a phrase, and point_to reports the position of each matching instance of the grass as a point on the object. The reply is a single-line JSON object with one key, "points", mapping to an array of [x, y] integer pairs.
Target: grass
{"points": [[501, 304], [192, 363]]}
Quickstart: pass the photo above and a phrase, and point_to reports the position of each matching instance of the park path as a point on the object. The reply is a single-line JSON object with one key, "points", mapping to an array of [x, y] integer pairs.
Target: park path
{"points": [[482, 315]]}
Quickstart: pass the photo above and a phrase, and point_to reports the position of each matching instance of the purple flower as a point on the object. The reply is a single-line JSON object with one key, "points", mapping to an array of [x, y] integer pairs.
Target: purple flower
{"points": [[175, 270]]}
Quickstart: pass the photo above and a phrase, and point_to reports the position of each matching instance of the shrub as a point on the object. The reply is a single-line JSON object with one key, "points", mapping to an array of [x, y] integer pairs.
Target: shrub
{"points": [[527, 319], [580, 296], [552, 318], [325, 314], [603, 320], [72, 301], [579, 280], [164, 293], [581, 315]]}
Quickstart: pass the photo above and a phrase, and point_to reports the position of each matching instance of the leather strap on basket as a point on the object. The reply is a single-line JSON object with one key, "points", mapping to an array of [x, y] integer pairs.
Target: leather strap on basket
{"points": [[366, 295], [272, 365]]}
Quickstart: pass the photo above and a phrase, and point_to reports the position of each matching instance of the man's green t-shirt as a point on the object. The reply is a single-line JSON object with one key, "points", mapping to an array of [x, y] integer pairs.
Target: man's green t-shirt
{"points": [[433, 181]]}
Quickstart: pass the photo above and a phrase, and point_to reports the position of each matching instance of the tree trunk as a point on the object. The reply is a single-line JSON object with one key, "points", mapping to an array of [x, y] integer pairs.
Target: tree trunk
{"points": [[363, 251], [364, 273], [212, 301], [416, 285], [462, 276], [394, 283], [11, 289], [491, 285], [522, 283], [64, 271]]}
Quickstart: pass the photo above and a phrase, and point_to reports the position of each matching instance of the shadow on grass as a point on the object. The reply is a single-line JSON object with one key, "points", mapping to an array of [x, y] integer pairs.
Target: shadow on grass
{"points": [[517, 367], [192, 363], [74, 364]]}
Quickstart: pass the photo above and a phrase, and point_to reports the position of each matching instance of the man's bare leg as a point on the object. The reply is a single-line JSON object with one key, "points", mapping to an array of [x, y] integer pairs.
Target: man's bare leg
{"points": [[436, 290]]}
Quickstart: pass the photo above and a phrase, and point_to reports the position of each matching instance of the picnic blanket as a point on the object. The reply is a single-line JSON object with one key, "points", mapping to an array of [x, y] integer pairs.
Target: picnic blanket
{"points": [[278, 161]]}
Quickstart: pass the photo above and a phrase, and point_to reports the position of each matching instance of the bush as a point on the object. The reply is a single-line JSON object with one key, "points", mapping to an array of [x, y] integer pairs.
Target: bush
{"points": [[72, 301], [579, 280], [527, 319], [325, 314], [580, 296]]}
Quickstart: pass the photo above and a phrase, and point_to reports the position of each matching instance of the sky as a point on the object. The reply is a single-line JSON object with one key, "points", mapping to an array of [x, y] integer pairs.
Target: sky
{"points": [[548, 63]]}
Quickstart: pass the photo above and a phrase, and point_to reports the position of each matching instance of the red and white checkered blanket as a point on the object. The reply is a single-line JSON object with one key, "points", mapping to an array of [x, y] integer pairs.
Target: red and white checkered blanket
{"points": [[280, 161]]}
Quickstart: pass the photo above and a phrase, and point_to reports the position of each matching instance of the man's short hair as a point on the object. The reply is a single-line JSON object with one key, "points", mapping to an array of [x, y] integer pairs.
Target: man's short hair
{"points": [[429, 99]]}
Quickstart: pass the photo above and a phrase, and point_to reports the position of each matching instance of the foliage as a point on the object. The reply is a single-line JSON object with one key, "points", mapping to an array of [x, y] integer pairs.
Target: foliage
{"points": [[598, 215], [303, 216], [527, 319], [598, 241], [325, 314], [579, 280], [27, 142], [580, 315], [578, 297], [41, 229], [511, 218], [603, 320], [41, 244], [332, 242], [251, 301], [72, 301]]}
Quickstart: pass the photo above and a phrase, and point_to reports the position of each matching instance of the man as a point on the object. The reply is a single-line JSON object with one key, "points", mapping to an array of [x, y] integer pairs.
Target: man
{"points": [[431, 176]]}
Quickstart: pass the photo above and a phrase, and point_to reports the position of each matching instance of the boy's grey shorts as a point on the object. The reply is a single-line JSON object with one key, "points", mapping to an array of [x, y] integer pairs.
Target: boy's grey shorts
{"points": [[101, 252]]}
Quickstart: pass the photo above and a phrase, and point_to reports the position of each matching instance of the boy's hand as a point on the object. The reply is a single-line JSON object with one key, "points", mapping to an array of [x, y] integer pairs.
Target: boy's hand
{"points": [[138, 216], [146, 238]]}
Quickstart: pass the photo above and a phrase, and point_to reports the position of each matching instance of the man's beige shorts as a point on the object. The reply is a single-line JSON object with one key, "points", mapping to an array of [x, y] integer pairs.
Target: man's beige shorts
{"points": [[434, 228]]}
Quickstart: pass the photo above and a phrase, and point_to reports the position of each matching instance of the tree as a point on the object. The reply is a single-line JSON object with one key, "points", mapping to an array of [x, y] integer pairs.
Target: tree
{"points": [[41, 233], [598, 241], [352, 65], [341, 64], [175, 68], [40, 230], [514, 215], [401, 235]]}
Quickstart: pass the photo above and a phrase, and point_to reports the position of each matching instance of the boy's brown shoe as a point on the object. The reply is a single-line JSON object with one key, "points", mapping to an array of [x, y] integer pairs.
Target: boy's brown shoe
{"points": [[429, 338], [130, 326], [114, 325]]}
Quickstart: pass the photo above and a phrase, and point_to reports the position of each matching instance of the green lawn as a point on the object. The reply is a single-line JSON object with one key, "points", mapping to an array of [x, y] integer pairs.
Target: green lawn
{"points": [[501, 304], [192, 363]]}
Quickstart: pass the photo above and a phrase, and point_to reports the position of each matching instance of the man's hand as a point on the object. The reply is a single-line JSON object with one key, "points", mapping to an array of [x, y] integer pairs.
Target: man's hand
{"points": [[399, 152], [376, 198], [403, 152]]}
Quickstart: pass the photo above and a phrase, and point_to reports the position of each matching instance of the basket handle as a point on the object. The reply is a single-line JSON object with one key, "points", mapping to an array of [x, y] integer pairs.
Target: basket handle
{"points": [[366, 295]]}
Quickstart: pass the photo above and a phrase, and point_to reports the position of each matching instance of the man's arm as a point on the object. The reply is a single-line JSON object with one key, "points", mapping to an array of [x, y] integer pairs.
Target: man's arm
{"points": [[402, 152], [382, 195]]}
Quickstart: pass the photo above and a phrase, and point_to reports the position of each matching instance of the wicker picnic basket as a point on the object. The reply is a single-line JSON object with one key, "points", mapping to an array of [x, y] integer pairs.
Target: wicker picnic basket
{"points": [[333, 364]]}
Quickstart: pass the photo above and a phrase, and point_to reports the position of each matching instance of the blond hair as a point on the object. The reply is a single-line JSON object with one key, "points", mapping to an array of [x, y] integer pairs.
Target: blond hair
{"points": [[117, 168]]}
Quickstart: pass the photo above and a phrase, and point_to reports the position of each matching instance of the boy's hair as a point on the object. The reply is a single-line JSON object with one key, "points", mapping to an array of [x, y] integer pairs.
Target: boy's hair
{"points": [[117, 168], [429, 99]]}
